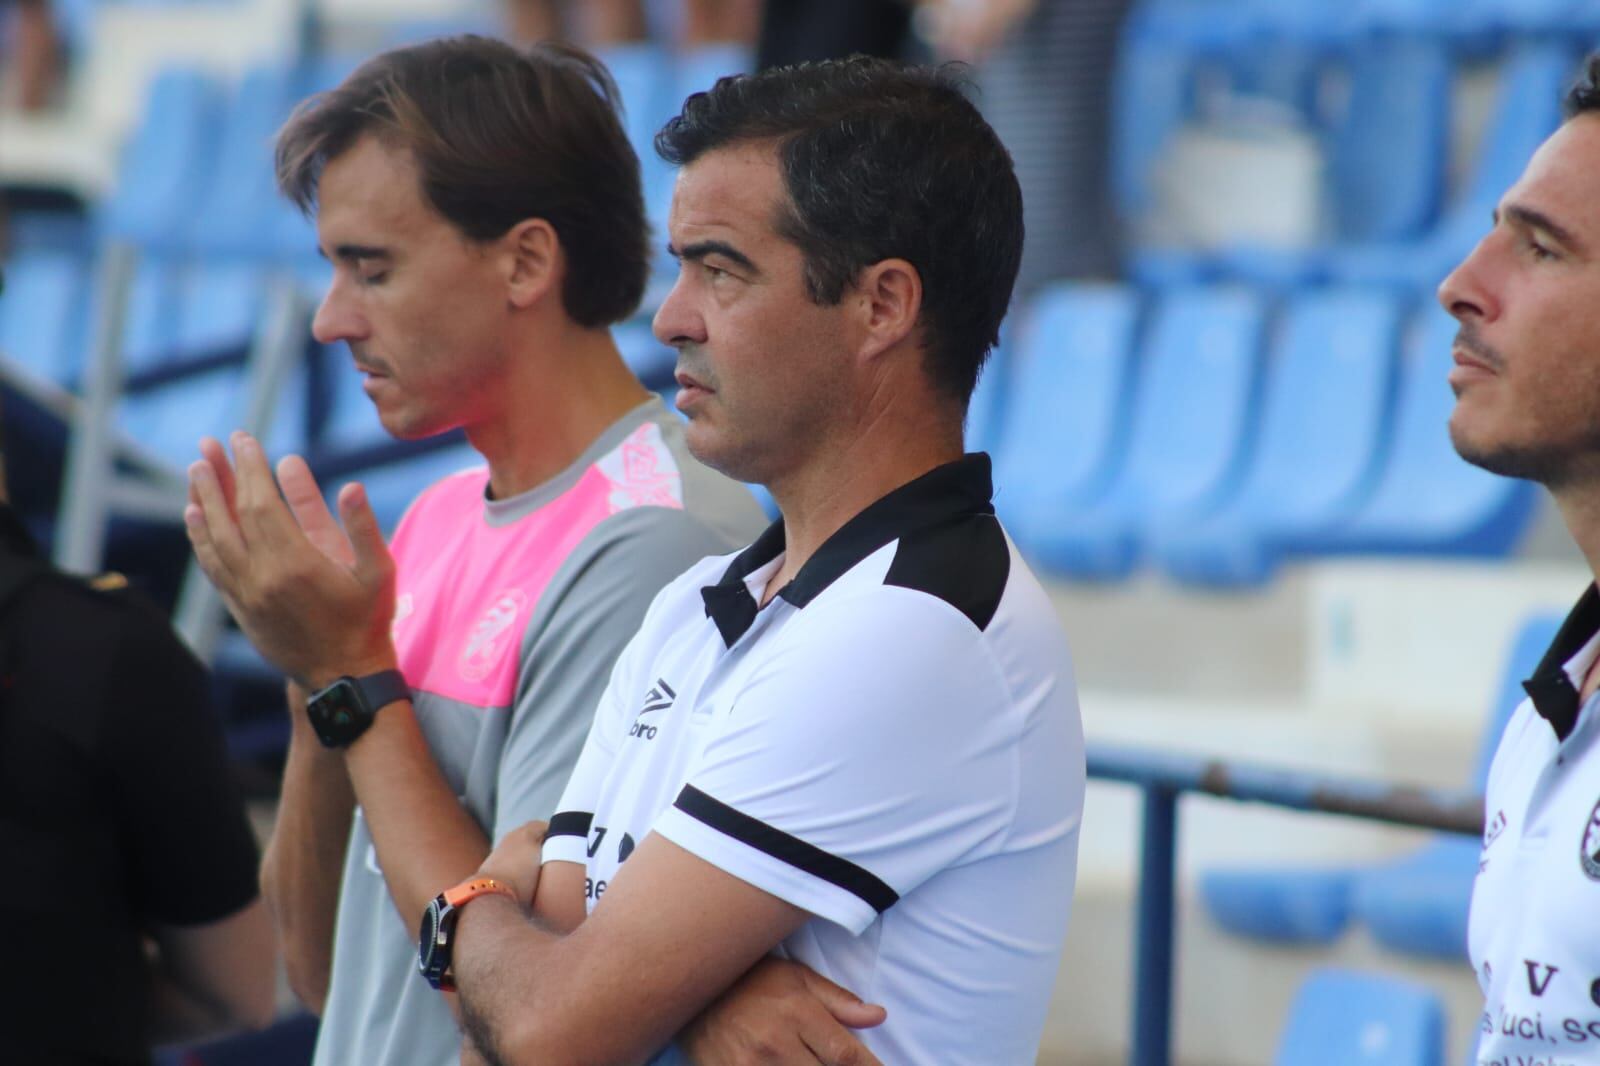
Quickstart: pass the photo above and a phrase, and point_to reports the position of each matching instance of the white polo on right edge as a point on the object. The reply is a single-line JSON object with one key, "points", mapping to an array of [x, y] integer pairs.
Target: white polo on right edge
{"points": [[1534, 933]]}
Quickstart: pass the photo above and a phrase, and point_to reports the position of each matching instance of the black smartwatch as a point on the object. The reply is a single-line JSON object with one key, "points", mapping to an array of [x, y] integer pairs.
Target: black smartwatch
{"points": [[344, 710], [435, 940]]}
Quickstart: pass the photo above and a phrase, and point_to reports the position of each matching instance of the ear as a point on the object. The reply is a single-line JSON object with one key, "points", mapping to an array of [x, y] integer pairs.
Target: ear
{"points": [[533, 261], [890, 300]]}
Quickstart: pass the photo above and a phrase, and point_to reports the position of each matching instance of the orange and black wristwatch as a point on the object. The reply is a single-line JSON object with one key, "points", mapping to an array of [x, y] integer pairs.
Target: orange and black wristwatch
{"points": [[439, 927]]}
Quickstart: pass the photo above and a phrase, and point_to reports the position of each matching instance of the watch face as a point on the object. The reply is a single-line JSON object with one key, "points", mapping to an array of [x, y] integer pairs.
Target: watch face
{"points": [[338, 713], [431, 958]]}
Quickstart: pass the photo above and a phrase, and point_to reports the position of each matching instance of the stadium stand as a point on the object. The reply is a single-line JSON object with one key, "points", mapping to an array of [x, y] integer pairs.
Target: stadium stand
{"points": [[1190, 427], [1219, 413], [1416, 904], [1341, 1018]]}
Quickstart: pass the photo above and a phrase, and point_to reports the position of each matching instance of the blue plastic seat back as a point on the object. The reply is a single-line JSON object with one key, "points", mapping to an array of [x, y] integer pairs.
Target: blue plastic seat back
{"points": [[1533, 81], [220, 304], [149, 330], [166, 166], [1429, 498], [1341, 1018], [1069, 394], [1389, 153], [1532, 641], [1325, 411], [348, 422], [644, 78], [1194, 401], [169, 419], [1153, 94], [42, 313], [234, 217]]}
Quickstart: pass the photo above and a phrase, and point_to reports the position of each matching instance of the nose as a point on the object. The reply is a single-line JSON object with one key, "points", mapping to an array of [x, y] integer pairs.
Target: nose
{"points": [[1465, 292], [677, 322], [337, 319]]}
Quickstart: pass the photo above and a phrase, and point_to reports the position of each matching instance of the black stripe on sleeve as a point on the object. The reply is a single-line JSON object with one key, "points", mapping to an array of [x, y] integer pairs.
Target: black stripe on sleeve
{"points": [[570, 824], [792, 850]]}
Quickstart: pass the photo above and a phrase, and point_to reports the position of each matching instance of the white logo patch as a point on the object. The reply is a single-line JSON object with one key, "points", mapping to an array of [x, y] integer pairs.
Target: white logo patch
{"points": [[488, 639]]}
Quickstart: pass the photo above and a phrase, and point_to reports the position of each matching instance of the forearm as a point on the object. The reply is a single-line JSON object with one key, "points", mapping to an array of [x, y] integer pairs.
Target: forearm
{"points": [[425, 839], [502, 959], [303, 866]]}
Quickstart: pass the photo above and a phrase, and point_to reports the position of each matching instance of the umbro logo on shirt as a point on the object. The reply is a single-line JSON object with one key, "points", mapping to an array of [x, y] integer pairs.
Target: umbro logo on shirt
{"points": [[659, 698]]}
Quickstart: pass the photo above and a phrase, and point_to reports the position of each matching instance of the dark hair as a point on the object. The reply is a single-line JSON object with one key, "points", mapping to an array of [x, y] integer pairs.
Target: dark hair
{"points": [[881, 160], [499, 136], [1585, 92]]}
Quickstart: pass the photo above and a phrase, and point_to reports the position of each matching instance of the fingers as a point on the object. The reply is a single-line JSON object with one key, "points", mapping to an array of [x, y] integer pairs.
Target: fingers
{"points": [[374, 565], [264, 519], [211, 527], [846, 1007], [211, 451], [839, 1048], [310, 510]]}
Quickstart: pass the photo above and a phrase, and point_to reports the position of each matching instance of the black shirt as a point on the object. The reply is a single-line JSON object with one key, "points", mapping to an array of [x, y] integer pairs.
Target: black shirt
{"points": [[117, 812]]}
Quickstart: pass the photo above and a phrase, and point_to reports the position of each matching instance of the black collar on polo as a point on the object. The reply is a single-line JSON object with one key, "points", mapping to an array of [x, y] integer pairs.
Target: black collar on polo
{"points": [[1550, 689], [946, 492]]}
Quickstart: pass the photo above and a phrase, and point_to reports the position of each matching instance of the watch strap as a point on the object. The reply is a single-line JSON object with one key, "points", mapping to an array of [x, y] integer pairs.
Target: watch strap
{"points": [[474, 888], [382, 688]]}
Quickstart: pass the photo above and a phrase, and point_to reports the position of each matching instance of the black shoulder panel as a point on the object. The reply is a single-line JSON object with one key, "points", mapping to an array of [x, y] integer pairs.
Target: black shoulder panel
{"points": [[965, 563]]}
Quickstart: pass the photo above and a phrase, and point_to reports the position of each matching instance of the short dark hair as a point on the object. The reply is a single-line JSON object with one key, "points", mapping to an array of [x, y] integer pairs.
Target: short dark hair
{"points": [[499, 136], [1584, 96], [881, 160]]}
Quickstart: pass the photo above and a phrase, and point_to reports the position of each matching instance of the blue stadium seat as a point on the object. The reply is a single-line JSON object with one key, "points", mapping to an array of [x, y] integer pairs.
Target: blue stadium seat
{"points": [[1418, 905], [42, 313], [1344, 1018], [1528, 108], [1305, 906], [165, 165], [1070, 391], [985, 411], [1429, 500], [650, 360], [1325, 426], [1153, 93], [645, 83], [348, 421], [1192, 417], [169, 417], [1387, 158], [232, 218]]}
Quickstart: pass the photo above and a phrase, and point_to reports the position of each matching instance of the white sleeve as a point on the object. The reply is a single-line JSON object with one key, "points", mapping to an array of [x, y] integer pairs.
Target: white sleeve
{"points": [[877, 750]]}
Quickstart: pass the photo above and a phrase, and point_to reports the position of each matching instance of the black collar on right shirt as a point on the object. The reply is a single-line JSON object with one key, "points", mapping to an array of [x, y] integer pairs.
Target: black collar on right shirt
{"points": [[946, 492], [1550, 688]]}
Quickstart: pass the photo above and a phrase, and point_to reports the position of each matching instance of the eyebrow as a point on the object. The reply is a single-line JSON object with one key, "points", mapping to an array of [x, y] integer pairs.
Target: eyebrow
{"points": [[698, 250], [353, 252], [1530, 218]]}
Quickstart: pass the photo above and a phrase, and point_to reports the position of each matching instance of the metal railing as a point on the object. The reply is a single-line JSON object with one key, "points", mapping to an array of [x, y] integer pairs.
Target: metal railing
{"points": [[1164, 777]]}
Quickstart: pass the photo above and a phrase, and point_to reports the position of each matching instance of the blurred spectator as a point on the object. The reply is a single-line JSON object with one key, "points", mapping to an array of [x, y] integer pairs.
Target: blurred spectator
{"points": [[798, 31], [33, 55], [597, 23], [1045, 68], [134, 916]]}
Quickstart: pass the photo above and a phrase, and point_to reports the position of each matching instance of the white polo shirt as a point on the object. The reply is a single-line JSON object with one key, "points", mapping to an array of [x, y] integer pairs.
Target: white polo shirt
{"points": [[1534, 932], [892, 743]]}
